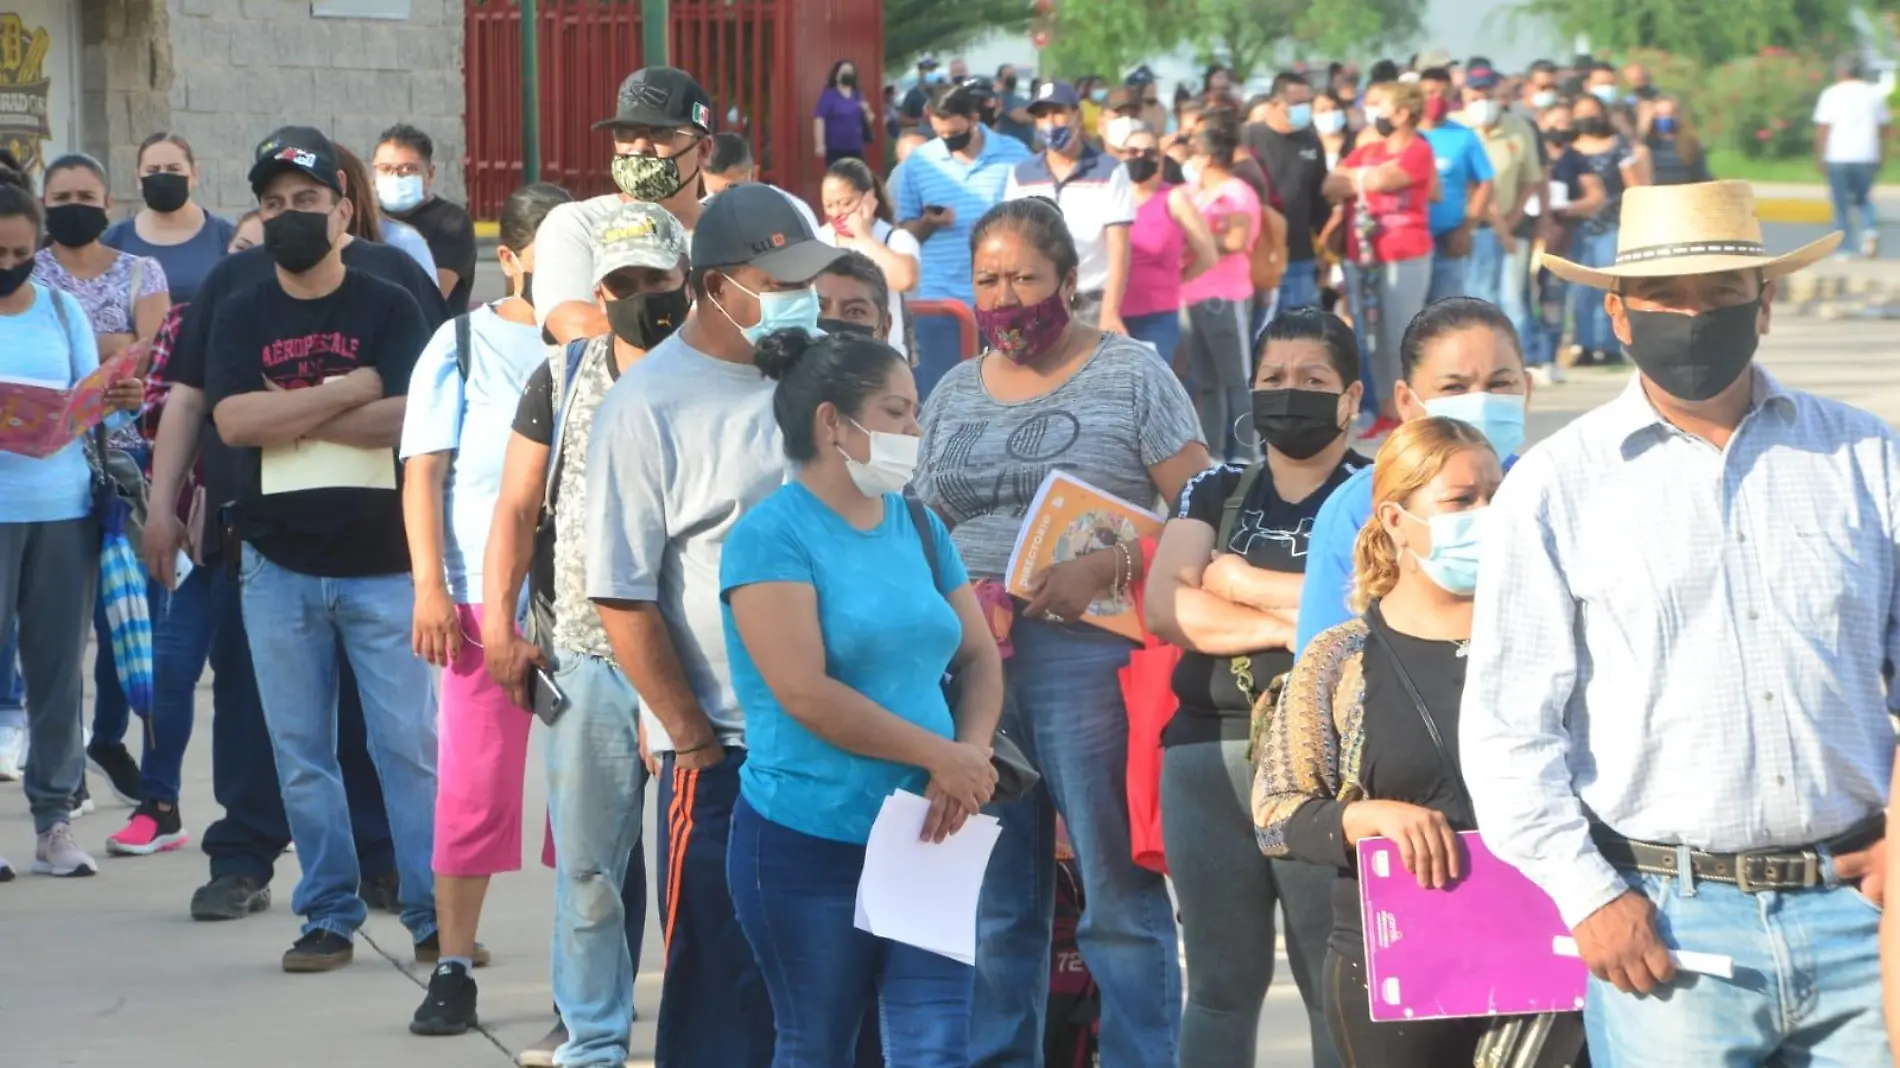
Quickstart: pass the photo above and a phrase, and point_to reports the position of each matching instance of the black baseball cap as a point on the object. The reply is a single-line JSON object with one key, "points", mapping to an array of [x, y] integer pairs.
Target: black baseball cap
{"points": [[303, 149], [662, 97], [756, 225]]}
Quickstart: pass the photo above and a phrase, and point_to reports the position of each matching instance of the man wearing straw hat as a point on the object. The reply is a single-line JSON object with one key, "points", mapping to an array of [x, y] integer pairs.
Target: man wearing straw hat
{"points": [[1675, 687]]}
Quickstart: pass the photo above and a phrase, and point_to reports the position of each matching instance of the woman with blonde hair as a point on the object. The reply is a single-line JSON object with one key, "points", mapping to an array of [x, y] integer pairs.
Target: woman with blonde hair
{"points": [[1365, 743]]}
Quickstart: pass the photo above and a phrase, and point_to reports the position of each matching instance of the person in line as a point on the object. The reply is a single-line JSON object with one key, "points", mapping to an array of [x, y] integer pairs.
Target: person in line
{"points": [[1461, 360], [842, 123], [1676, 153], [732, 164], [662, 129], [596, 772], [125, 298], [1331, 122], [1012, 107], [1349, 755], [1231, 608], [369, 222], [1383, 192], [858, 215], [684, 446], [1282, 138], [318, 351], [1132, 433], [185, 239], [1750, 660], [1596, 169], [818, 580], [1092, 189], [1464, 200], [404, 162], [916, 104], [1169, 242], [1216, 332], [853, 298], [941, 190], [1851, 127], [49, 538], [244, 845], [1498, 271], [465, 386]]}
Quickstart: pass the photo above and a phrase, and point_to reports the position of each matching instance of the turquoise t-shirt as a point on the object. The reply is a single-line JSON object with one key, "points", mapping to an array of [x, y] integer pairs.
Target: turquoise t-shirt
{"points": [[887, 635]]}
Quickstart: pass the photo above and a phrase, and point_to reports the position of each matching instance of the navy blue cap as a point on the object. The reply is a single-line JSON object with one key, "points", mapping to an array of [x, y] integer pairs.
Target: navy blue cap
{"points": [[1481, 78], [1055, 95]]}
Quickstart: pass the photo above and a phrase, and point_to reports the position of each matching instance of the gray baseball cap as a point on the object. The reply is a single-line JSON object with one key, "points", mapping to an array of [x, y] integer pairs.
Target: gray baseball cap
{"points": [[756, 225], [638, 234]]}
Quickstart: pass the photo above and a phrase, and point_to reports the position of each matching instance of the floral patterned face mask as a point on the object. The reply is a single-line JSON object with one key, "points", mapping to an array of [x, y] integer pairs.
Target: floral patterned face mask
{"points": [[1022, 332]]}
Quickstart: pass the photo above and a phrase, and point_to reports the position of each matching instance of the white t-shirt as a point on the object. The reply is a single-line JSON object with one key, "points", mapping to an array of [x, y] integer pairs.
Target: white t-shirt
{"points": [[1095, 196], [901, 242], [1853, 112]]}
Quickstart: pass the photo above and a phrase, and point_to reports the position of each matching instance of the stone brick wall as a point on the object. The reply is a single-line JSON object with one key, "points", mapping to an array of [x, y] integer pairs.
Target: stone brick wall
{"points": [[224, 73]]}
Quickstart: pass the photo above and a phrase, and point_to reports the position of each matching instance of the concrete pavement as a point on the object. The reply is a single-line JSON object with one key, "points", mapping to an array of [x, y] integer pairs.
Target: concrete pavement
{"points": [[112, 971]]}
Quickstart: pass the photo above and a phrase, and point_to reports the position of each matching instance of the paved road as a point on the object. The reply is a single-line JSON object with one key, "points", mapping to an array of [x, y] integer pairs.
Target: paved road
{"points": [[111, 971]]}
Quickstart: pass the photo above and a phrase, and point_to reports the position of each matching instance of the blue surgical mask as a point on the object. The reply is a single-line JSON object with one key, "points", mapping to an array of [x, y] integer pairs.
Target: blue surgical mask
{"points": [[1457, 542], [1665, 124], [1605, 93], [1299, 116], [1498, 416], [1056, 137], [1098, 95], [1329, 122], [795, 309], [400, 192]]}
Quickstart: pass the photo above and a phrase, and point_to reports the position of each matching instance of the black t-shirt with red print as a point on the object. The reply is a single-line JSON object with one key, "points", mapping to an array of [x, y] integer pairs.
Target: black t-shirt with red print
{"points": [[265, 334]]}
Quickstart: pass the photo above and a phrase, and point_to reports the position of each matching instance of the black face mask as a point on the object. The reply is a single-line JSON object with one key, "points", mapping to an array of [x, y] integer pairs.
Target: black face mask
{"points": [[1296, 423], [1141, 169], [1595, 126], [1559, 138], [527, 287], [75, 225], [646, 319], [15, 276], [1382, 126], [839, 326], [298, 240], [960, 141], [1694, 357], [165, 193], [848, 79]]}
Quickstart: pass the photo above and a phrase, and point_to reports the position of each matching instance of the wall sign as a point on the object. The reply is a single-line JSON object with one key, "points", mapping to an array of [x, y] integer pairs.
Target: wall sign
{"points": [[360, 9], [25, 89]]}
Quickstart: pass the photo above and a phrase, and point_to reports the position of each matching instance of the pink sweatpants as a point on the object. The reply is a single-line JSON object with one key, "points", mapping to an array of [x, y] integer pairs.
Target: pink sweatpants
{"points": [[481, 758]]}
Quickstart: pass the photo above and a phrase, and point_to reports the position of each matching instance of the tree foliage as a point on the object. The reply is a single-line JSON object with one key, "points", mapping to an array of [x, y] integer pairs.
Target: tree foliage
{"points": [[912, 27], [1109, 37], [1710, 31]]}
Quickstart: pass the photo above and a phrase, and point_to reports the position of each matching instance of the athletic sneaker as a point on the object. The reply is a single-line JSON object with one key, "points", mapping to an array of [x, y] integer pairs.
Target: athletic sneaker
{"points": [[12, 753], [1870, 244], [151, 830], [82, 801], [541, 1054], [59, 856], [6, 871], [114, 761], [319, 951], [449, 1007], [229, 897]]}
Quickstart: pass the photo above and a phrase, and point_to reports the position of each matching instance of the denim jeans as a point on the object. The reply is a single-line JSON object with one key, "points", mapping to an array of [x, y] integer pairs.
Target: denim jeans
{"points": [[1063, 704], [596, 797], [796, 899], [1806, 989], [1852, 186], [1299, 287], [1448, 277], [295, 622], [939, 348], [181, 639], [1162, 330], [12, 687], [1504, 280], [1593, 320]]}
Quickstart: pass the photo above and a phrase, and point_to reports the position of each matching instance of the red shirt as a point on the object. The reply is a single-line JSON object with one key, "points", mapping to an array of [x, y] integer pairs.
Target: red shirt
{"points": [[1404, 231]]}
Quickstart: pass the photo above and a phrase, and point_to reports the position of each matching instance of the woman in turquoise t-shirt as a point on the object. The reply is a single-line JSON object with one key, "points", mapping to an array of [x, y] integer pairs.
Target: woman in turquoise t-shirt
{"points": [[840, 636]]}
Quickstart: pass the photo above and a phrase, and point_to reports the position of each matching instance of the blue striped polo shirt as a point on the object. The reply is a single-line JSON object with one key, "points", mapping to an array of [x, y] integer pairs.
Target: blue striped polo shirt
{"points": [[932, 176]]}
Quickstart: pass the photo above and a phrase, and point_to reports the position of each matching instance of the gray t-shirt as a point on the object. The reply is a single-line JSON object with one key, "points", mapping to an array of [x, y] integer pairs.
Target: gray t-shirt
{"points": [[982, 460], [564, 253], [682, 447]]}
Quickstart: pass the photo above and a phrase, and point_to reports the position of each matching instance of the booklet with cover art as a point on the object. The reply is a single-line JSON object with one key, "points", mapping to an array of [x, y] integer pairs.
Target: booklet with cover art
{"points": [[38, 418], [1070, 518]]}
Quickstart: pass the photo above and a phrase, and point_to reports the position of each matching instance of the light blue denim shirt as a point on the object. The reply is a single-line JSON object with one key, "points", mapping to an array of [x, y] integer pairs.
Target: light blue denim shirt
{"points": [[35, 349]]}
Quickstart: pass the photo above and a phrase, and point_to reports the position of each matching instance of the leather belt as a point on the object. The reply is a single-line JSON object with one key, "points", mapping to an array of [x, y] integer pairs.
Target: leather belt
{"points": [[1750, 871]]}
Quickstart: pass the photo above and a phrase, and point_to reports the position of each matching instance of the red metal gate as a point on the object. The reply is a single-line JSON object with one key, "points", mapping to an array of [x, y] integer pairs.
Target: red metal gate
{"points": [[763, 61]]}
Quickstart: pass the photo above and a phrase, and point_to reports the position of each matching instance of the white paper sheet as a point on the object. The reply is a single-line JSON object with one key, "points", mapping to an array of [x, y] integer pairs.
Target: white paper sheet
{"points": [[920, 893], [308, 465], [1716, 964]]}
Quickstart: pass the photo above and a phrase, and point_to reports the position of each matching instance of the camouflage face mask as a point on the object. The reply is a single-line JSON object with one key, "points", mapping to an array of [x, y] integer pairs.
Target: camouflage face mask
{"points": [[647, 178]]}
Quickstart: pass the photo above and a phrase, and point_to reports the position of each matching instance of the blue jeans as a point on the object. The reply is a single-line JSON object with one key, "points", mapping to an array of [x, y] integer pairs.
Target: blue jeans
{"points": [[1504, 279], [1161, 329], [1299, 287], [295, 622], [111, 713], [796, 897], [1806, 989], [1063, 704], [181, 639], [596, 796], [1448, 277], [12, 688], [939, 348], [1852, 186], [1593, 320]]}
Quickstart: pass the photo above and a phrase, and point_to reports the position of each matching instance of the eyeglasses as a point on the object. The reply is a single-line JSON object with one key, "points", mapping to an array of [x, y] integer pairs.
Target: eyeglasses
{"points": [[658, 137], [400, 170]]}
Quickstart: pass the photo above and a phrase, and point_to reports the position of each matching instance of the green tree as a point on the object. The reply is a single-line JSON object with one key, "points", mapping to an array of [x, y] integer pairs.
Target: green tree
{"points": [[912, 27], [1107, 37], [1711, 31], [1248, 35]]}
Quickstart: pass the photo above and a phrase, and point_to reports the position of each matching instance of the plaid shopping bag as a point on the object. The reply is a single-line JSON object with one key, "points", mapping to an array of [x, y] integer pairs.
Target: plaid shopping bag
{"points": [[122, 592]]}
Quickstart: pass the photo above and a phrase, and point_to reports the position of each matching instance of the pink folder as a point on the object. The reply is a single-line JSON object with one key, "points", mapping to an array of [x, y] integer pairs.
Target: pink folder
{"points": [[1480, 947]]}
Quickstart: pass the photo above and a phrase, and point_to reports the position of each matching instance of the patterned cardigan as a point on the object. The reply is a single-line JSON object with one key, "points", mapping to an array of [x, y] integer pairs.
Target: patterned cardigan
{"points": [[1308, 769]]}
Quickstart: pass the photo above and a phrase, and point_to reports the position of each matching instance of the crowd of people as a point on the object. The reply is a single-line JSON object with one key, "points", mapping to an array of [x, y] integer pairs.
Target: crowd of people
{"points": [[703, 497]]}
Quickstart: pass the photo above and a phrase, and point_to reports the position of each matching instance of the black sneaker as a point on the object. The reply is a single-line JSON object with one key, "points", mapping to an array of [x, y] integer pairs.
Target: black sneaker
{"points": [[382, 892], [449, 1007], [319, 951], [229, 897], [429, 951], [114, 761]]}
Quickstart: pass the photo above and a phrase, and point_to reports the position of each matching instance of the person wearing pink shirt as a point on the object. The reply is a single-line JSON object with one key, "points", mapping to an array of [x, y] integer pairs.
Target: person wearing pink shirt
{"points": [[1214, 342]]}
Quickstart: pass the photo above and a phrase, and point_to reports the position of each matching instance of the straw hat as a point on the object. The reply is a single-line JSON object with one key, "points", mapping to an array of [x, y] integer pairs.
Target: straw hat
{"points": [[1673, 230]]}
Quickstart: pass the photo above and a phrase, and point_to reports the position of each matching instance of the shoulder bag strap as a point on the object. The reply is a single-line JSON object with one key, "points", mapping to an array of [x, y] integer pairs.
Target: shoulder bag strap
{"points": [[920, 518], [1376, 628], [571, 359], [1230, 508], [464, 342], [132, 304]]}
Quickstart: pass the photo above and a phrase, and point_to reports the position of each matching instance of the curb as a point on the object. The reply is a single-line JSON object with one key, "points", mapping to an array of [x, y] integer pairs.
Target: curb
{"points": [[489, 231], [1770, 210]]}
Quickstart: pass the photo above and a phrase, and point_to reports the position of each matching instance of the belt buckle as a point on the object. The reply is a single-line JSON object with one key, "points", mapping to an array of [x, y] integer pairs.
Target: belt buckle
{"points": [[1810, 876]]}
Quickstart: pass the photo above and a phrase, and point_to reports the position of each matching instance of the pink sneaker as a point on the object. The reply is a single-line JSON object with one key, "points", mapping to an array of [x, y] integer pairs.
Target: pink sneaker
{"points": [[149, 831]]}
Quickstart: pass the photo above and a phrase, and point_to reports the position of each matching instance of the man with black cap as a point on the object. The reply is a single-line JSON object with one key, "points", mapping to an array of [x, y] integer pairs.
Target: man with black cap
{"points": [[662, 130], [1097, 201], [307, 378], [244, 845], [684, 444]]}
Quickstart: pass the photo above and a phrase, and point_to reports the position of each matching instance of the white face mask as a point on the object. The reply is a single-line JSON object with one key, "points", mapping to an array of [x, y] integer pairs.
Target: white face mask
{"points": [[1482, 112], [893, 460]]}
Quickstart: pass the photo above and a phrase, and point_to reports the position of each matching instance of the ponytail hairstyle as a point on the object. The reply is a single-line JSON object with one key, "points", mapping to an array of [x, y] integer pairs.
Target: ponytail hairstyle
{"points": [[522, 212], [859, 176], [16, 192], [843, 370], [1414, 455]]}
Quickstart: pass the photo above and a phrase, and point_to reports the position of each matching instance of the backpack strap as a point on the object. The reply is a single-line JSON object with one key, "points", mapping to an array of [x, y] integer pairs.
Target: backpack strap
{"points": [[920, 518], [132, 303], [563, 375], [1230, 508], [464, 344]]}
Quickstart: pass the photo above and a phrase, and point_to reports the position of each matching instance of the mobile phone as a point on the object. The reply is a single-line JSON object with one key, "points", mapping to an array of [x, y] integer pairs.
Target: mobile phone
{"points": [[934, 209], [549, 701]]}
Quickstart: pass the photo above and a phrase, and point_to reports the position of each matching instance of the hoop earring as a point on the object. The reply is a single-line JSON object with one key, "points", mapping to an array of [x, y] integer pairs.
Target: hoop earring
{"points": [[1257, 441]]}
